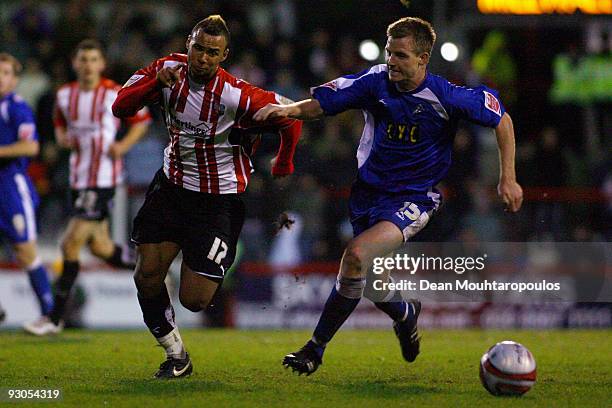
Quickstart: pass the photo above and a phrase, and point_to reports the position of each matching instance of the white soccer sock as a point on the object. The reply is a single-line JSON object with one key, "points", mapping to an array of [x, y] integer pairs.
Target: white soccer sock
{"points": [[173, 344]]}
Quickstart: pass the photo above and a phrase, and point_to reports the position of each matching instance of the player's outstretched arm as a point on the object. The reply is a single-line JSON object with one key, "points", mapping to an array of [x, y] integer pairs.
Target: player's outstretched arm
{"points": [[21, 148], [307, 109], [508, 188]]}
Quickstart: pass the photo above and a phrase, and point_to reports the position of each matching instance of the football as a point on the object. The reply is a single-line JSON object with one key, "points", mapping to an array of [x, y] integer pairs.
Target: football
{"points": [[508, 368]]}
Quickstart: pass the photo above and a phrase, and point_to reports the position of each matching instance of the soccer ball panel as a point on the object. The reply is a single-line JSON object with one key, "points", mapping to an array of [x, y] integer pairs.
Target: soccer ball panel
{"points": [[508, 368]]}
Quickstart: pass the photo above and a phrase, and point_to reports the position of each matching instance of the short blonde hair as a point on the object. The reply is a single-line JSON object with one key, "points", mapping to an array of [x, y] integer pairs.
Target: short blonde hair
{"points": [[421, 31], [17, 67]]}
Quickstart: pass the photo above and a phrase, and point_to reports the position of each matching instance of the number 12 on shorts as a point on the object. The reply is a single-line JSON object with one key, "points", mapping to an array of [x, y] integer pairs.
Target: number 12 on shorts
{"points": [[217, 251]]}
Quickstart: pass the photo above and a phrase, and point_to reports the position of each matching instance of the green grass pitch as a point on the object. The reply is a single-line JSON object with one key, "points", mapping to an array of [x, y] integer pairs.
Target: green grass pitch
{"points": [[361, 368]]}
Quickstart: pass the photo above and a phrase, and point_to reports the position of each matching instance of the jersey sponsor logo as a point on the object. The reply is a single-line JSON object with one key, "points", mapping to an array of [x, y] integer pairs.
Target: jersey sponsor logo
{"points": [[200, 129], [403, 132], [133, 78], [491, 103]]}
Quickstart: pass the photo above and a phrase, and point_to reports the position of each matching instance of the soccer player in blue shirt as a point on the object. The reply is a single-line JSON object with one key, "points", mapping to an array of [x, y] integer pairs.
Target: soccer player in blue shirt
{"points": [[18, 198], [411, 116]]}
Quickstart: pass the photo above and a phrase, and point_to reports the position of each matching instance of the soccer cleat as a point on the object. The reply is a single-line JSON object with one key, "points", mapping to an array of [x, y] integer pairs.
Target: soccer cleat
{"points": [[408, 334], [306, 361], [174, 368], [43, 327]]}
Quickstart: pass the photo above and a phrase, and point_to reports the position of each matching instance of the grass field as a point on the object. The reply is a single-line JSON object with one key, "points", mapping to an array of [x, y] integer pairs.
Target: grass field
{"points": [[362, 368]]}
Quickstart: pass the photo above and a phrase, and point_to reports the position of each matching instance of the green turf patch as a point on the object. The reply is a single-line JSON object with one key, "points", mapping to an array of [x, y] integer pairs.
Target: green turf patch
{"points": [[361, 368]]}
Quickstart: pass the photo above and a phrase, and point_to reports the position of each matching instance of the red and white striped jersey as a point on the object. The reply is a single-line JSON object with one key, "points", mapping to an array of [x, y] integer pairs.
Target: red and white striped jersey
{"points": [[199, 117], [89, 122]]}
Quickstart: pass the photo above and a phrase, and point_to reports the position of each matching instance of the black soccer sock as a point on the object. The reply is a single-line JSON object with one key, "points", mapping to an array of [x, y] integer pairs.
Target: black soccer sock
{"points": [[398, 311], [63, 286], [158, 313], [117, 259], [337, 309]]}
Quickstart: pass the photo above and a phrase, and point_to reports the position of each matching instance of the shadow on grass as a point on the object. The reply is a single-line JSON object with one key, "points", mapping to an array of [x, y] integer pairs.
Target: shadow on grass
{"points": [[181, 387], [54, 340], [386, 389]]}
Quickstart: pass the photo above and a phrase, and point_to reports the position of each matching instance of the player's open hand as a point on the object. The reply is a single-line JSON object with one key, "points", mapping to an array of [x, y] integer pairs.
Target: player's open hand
{"points": [[511, 192], [271, 111], [170, 75]]}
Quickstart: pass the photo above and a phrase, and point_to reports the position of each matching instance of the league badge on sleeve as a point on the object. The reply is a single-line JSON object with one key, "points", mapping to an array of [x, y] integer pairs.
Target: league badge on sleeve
{"points": [[333, 85], [491, 103], [133, 78]]}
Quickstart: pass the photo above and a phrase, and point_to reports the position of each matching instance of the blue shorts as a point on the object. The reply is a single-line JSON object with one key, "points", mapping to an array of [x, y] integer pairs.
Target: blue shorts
{"points": [[409, 211], [18, 202]]}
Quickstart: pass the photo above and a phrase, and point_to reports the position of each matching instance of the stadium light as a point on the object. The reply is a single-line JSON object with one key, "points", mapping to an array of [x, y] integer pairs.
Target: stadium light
{"points": [[369, 50], [449, 51]]}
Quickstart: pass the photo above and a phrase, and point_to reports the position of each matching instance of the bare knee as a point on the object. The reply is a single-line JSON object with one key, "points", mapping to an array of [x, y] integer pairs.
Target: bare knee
{"points": [[148, 279], [99, 250], [353, 262], [194, 303]]}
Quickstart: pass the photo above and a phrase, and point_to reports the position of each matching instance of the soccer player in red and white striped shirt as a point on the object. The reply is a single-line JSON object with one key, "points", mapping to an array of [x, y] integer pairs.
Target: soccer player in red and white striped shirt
{"points": [[84, 123], [194, 203]]}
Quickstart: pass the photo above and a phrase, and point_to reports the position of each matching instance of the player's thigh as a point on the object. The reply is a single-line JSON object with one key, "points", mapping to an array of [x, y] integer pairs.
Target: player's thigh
{"points": [[25, 253], [378, 240], [18, 201], [196, 290], [101, 243], [78, 232], [210, 238]]}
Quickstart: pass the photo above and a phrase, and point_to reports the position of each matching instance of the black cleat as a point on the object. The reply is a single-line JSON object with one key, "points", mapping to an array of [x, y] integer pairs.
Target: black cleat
{"points": [[174, 368], [306, 361], [408, 333]]}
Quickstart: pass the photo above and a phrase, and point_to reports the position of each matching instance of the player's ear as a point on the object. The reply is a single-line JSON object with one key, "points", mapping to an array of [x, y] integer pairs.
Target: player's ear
{"points": [[225, 54], [187, 42], [424, 58]]}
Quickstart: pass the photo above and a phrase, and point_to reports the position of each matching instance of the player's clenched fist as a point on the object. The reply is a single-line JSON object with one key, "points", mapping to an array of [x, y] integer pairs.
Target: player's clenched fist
{"points": [[512, 194], [169, 76]]}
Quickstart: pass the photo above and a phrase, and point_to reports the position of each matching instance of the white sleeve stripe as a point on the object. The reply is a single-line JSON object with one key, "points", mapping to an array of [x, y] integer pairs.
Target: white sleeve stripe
{"points": [[342, 82]]}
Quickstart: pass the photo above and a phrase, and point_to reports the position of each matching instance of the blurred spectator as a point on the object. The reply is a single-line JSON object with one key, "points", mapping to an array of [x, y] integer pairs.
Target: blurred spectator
{"points": [[551, 170], [494, 63], [247, 69], [483, 219], [34, 82]]}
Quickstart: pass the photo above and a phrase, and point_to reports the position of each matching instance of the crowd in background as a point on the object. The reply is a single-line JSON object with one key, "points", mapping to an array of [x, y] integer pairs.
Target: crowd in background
{"points": [[274, 48]]}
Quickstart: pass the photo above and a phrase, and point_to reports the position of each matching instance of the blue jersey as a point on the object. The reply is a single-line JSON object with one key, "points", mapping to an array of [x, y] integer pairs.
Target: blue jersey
{"points": [[408, 136], [16, 123], [18, 198]]}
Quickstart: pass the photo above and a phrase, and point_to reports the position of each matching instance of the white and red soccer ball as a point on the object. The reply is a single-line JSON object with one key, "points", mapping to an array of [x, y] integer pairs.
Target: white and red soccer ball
{"points": [[508, 368]]}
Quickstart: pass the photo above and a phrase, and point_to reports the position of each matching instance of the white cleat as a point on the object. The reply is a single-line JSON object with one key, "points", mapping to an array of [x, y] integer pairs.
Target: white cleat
{"points": [[43, 327]]}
